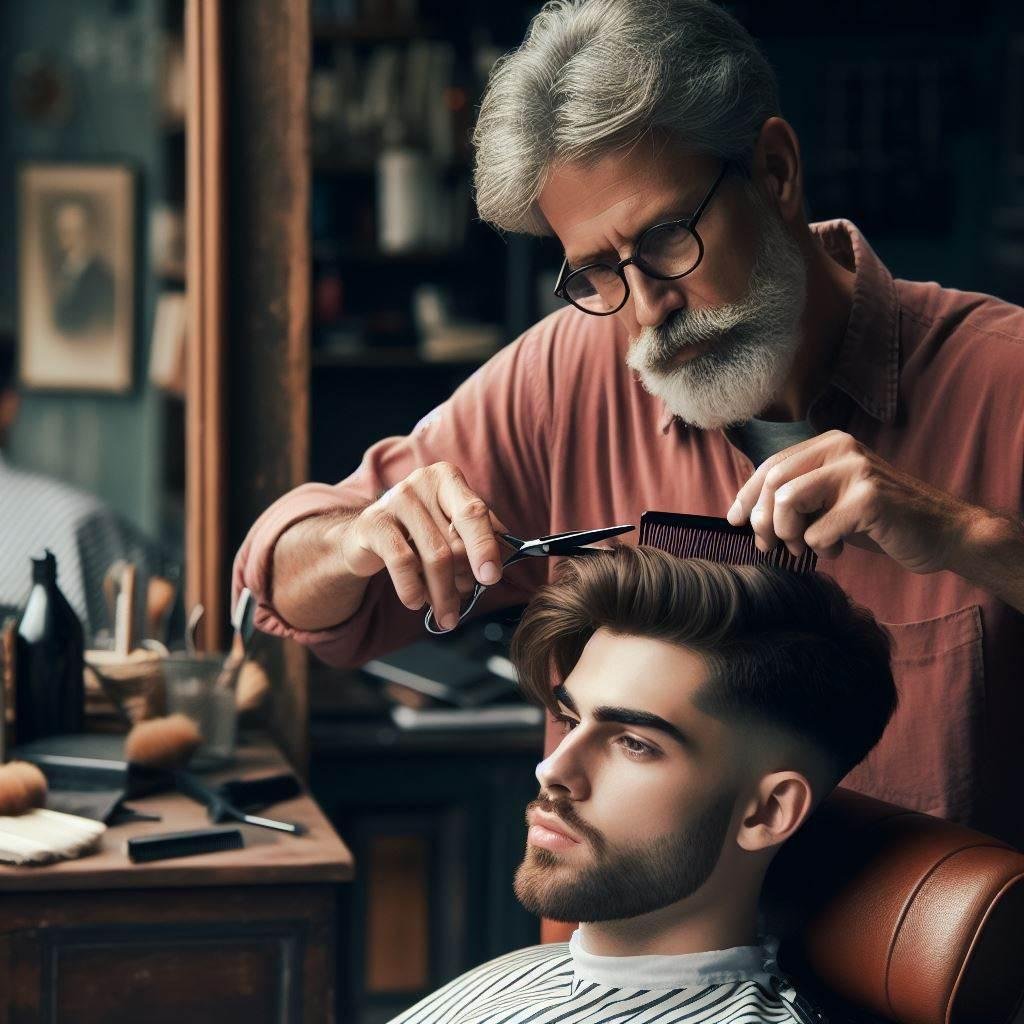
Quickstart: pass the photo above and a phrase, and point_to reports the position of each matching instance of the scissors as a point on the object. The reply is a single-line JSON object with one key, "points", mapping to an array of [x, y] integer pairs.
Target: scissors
{"points": [[558, 544]]}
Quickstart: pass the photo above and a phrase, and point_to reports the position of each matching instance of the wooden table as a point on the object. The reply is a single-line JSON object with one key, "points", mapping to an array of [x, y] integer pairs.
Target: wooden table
{"points": [[243, 935]]}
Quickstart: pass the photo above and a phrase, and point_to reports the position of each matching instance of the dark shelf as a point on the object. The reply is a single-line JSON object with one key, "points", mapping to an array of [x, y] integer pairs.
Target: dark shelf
{"points": [[386, 358], [373, 31], [344, 165], [368, 254]]}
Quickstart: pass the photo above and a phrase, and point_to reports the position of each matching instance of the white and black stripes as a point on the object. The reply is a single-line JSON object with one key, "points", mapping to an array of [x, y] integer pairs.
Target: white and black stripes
{"points": [[538, 985]]}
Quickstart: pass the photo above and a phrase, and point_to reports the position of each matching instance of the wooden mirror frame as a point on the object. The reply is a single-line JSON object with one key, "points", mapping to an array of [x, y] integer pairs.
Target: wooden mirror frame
{"points": [[204, 412], [249, 293]]}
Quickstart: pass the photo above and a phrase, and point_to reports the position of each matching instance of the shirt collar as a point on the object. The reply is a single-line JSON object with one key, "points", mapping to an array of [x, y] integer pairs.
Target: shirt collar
{"points": [[868, 364], [715, 967]]}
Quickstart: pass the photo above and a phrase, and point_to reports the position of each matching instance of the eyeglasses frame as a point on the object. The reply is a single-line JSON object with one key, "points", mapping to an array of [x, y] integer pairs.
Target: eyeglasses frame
{"points": [[690, 223]]}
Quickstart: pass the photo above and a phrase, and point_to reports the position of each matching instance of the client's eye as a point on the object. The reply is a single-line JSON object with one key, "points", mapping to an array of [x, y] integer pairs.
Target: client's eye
{"points": [[634, 748]]}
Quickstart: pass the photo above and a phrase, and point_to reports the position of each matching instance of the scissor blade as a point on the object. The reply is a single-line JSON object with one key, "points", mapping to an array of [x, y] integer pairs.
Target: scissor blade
{"points": [[565, 543]]}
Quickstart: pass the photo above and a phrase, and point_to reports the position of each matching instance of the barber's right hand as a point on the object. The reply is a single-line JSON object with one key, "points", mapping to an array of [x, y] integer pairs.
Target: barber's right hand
{"points": [[433, 534]]}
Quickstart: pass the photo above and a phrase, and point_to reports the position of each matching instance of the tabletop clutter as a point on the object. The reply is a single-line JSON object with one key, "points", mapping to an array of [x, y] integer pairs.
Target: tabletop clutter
{"points": [[82, 732]]}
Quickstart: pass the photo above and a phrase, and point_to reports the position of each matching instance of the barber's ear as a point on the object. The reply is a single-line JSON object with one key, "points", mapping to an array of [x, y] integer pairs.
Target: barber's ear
{"points": [[778, 168], [781, 804]]}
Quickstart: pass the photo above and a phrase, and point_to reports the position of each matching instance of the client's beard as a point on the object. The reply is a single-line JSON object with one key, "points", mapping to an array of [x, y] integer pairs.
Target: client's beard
{"points": [[753, 341], [626, 882]]}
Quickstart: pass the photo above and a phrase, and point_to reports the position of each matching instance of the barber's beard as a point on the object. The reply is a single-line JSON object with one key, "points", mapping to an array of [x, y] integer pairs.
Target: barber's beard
{"points": [[752, 342], [624, 882]]}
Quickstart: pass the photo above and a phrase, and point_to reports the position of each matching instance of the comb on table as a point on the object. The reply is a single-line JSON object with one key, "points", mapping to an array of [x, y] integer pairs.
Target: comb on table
{"points": [[717, 540]]}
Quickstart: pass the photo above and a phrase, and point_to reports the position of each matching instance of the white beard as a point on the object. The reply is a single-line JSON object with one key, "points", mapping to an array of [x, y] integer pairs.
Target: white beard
{"points": [[753, 341]]}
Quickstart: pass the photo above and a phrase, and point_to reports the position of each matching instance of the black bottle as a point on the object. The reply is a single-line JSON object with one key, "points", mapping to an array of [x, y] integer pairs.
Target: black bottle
{"points": [[48, 660]]}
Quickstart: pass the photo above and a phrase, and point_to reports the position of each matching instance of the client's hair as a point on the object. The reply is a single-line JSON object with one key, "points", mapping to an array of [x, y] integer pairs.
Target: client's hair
{"points": [[785, 649]]}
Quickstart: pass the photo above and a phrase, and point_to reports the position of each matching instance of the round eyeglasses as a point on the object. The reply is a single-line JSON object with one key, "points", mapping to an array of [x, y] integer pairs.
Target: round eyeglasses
{"points": [[665, 251]]}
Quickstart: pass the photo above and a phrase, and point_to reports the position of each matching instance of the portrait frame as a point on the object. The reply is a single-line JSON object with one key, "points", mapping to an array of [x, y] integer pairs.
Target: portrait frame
{"points": [[76, 276]]}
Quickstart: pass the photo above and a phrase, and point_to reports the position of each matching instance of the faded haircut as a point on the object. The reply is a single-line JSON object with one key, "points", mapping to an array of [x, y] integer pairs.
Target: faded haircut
{"points": [[782, 649], [593, 77]]}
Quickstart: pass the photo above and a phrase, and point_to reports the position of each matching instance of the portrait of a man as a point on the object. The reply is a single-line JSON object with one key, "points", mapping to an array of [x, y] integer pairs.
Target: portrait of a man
{"points": [[76, 239], [82, 282]]}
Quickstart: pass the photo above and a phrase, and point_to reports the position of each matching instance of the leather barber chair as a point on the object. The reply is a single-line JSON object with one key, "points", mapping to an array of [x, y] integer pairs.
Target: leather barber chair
{"points": [[892, 915]]}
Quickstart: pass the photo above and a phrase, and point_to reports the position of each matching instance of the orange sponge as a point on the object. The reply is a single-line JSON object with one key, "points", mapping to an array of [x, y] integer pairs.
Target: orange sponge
{"points": [[163, 742], [22, 787]]}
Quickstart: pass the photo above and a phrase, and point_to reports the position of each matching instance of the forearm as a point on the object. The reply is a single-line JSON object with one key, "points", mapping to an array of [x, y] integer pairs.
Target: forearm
{"points": [[311, 588], [991, 555]]}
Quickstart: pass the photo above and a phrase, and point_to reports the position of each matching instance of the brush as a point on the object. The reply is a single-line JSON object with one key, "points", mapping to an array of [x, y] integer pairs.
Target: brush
{"points": [[165, 743], [717, 540], [31, 834]]}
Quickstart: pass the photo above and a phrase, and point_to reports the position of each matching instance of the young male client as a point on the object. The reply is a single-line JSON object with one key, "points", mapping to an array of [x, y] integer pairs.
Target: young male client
{"points": [[707, 711]]}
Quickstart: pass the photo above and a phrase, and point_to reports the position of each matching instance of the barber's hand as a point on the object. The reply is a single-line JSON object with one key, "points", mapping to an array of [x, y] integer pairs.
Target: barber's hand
{"points": [[832, 490], [433, 535]]}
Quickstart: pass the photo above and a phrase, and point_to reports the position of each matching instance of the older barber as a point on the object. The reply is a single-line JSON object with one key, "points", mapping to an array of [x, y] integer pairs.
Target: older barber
{"points": [[717, 355]]}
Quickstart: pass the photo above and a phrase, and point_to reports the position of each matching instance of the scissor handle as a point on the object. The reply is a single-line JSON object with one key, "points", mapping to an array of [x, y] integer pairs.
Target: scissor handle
{"points": [[430, 622]]}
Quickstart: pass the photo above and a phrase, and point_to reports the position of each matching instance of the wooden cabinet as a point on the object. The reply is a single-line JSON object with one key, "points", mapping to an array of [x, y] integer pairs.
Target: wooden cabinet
{"points": [[436, 824], [245, 935]]}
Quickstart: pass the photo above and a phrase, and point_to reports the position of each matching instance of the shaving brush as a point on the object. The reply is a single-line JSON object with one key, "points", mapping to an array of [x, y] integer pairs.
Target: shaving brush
{"points": [[22, 787], [163, 742]]}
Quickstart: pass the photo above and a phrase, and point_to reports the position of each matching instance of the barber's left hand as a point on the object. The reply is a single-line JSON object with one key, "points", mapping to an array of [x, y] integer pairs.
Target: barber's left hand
{"points": [[831, 490]]}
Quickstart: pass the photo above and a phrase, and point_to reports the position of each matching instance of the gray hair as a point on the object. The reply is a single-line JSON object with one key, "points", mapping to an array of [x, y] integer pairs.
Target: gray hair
{"points": [[597, 76]]}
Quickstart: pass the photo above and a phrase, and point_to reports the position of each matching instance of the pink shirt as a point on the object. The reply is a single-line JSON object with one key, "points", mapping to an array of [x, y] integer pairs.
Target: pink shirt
{"points": [[556, 434]]}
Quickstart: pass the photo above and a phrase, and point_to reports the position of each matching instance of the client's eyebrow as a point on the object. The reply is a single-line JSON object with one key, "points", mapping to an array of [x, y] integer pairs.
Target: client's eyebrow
{"points": [[625, 716]]}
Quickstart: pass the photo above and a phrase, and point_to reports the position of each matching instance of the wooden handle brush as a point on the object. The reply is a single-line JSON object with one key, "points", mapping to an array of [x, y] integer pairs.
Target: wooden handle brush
{"points": [[31, 834]]}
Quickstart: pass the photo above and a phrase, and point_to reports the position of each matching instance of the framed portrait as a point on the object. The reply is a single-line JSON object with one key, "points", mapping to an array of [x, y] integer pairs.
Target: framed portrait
{"points": [[76, 287]]}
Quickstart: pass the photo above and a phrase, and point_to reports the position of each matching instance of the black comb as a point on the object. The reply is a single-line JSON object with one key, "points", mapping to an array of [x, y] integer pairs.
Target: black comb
{"points": [[717, 540]]}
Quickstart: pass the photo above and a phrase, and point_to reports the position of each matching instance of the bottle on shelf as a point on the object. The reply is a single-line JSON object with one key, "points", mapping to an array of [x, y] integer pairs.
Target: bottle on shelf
{"points": [[49, 659]]}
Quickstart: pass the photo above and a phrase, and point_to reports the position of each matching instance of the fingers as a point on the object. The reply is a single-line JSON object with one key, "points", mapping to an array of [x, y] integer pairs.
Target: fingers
{"points": [[824, 508], [435, 537], [464, 579], [796, 503], [472, 519], [757, 499], [750, 493], [401, 531]]}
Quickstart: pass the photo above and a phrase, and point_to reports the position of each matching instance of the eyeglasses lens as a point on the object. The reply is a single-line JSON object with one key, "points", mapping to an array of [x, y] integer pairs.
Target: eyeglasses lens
{"points": [[669, 250], [665, 251], [596, 289]]}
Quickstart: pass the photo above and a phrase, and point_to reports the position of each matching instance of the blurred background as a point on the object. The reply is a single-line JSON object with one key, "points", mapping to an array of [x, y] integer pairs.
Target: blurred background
{"points": [[911, 119]]}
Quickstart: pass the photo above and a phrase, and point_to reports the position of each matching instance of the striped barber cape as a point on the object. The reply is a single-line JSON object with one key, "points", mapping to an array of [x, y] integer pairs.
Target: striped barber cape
{"points": [[561, 983]]}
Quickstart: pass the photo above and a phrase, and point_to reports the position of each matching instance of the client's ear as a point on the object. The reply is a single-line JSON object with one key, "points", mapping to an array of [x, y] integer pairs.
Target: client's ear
{"points": [[777, 809]]}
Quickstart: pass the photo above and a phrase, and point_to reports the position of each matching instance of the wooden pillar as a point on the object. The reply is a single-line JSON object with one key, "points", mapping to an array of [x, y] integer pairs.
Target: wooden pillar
{"points": [[269, 290]]}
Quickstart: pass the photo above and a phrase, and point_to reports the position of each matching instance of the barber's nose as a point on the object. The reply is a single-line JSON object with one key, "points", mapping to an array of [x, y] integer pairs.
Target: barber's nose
{"points": [[653, 300]]}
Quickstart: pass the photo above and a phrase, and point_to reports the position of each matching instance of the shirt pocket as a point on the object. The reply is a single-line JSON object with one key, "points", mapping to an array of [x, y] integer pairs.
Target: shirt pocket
{"points": [[930, 756]]}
